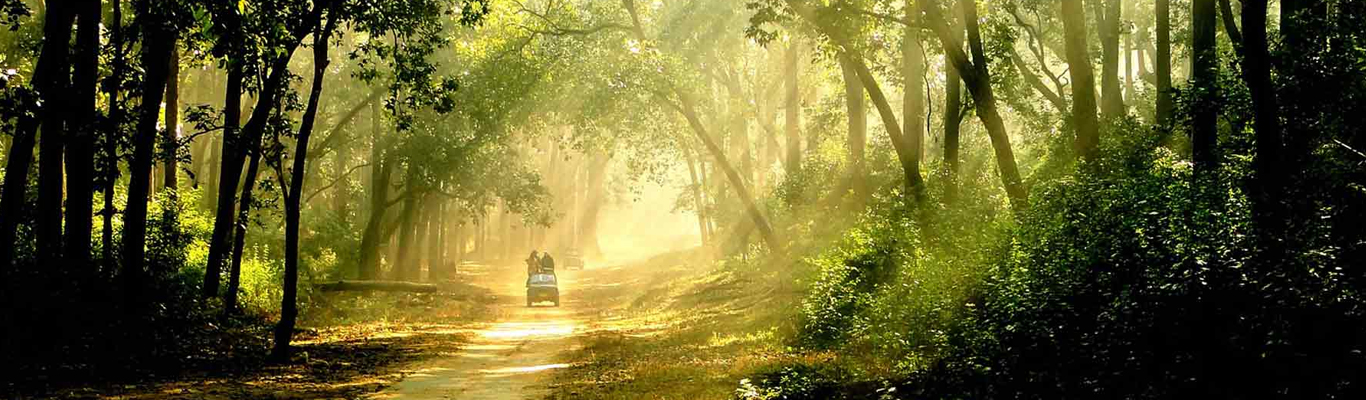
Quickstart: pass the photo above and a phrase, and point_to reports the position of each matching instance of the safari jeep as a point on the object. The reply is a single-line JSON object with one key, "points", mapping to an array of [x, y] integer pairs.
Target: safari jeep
{"points": [[542, 287]]}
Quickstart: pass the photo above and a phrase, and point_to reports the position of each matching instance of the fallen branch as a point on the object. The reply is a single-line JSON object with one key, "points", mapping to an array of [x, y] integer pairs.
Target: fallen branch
{"points": [[382, 286]]}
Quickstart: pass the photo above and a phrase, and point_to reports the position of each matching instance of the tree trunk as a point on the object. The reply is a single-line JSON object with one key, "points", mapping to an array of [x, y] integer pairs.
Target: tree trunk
{"points": [[695, 189], [689, 111], [1163, 64], [1079, 68], [1033, 80], [236, 145], [156, 48], [289, 309], [857, 119], [978, 79], [953, 111], [110, 146], [403, 265], [379, 199], [792, 110], [1128, 70], [172, 118], [341, 196], [47, 77], [80, 155], [913, 105], [1113, 99], [239, 239], [596, 195], [1204, 77], [230, 171], [1231, 27], [1267, 163], [417, 251], [54, 89], [436, 239]]}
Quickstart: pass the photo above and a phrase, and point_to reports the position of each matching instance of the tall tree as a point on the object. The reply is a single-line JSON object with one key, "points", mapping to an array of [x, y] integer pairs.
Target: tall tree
{"points": [[688, 108], [977, 77], [231, 165], [1204, 76], [380, 167], [953, 104], [159, 35], [238, 145], [55, 115], [1111, 96], [913, 183], [857, 114], [1163, 67], [172, 122], [913, 101], [792, 108], [1083, 82], [110, 146], [1267, 161], [80, 154], [289, 309], [48, 77]]}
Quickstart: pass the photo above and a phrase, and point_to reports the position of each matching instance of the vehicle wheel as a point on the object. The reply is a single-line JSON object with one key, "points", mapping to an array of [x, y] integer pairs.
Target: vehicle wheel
{"points": [[557, 302], [528, 302]]}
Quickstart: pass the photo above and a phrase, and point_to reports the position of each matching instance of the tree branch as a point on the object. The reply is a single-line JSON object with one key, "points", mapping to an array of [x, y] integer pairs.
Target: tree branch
{"points": [[334, 182]]}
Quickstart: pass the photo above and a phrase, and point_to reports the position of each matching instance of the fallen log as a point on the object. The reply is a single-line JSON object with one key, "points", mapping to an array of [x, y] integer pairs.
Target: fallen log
{"points": [[381, 286]]}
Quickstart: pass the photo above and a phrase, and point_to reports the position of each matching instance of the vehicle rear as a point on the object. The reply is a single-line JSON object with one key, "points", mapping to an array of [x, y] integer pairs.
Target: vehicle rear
{"points": [[542, 288]]}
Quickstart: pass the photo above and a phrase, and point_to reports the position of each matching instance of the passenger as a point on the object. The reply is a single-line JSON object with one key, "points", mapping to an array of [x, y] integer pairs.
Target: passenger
{"points": [[533, 264], [547, 264]]}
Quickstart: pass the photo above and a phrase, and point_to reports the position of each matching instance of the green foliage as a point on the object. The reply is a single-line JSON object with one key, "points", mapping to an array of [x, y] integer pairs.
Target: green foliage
{"points": [[1127, 280], [849, 278], [797, 382]]}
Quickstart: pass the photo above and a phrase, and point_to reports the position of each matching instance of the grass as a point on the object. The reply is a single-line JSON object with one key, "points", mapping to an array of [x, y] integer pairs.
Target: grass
{"points": [[688, 329]]}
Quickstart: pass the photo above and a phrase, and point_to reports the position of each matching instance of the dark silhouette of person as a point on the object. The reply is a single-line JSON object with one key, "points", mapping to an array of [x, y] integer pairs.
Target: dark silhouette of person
{"points": [[547, 264], [533, 263]]}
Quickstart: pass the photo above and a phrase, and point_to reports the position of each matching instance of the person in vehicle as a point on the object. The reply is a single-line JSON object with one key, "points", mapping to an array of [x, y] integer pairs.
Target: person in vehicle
{"points": [[533, 264], [547, 264]]}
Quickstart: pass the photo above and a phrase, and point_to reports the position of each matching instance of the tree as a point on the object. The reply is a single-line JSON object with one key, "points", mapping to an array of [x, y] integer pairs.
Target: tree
{"points": [[976, 76], [234, 52], [80, 154], [1113, 99], [792, 108], [1163, 61], [109, 151], [953, 104], [169, 179], [55, 115], [1204, 76], [48, 82], [160, 34], [913, 102], [1267, 163], [904, 149], [1083, 82], [289, 309], [857, 118]]}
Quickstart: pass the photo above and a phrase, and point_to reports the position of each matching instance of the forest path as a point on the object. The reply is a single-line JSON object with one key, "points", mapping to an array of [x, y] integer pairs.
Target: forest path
{"points": [[510, 358]]}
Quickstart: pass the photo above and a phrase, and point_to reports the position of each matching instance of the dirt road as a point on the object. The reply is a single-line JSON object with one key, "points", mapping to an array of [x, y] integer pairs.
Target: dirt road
{"points": [[511, 358]]}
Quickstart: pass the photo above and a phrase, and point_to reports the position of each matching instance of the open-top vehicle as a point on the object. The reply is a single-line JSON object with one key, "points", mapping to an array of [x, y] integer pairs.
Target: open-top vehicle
{"points": [[573, 260], [542, 287]]}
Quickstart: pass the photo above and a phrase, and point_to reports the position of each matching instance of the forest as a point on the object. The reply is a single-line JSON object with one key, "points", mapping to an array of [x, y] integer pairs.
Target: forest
{"points": [[742, 199]]}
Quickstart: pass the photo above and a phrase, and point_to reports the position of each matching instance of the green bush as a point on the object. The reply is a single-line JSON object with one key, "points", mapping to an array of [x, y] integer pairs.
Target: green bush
{"points": [[1130, 280]]}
